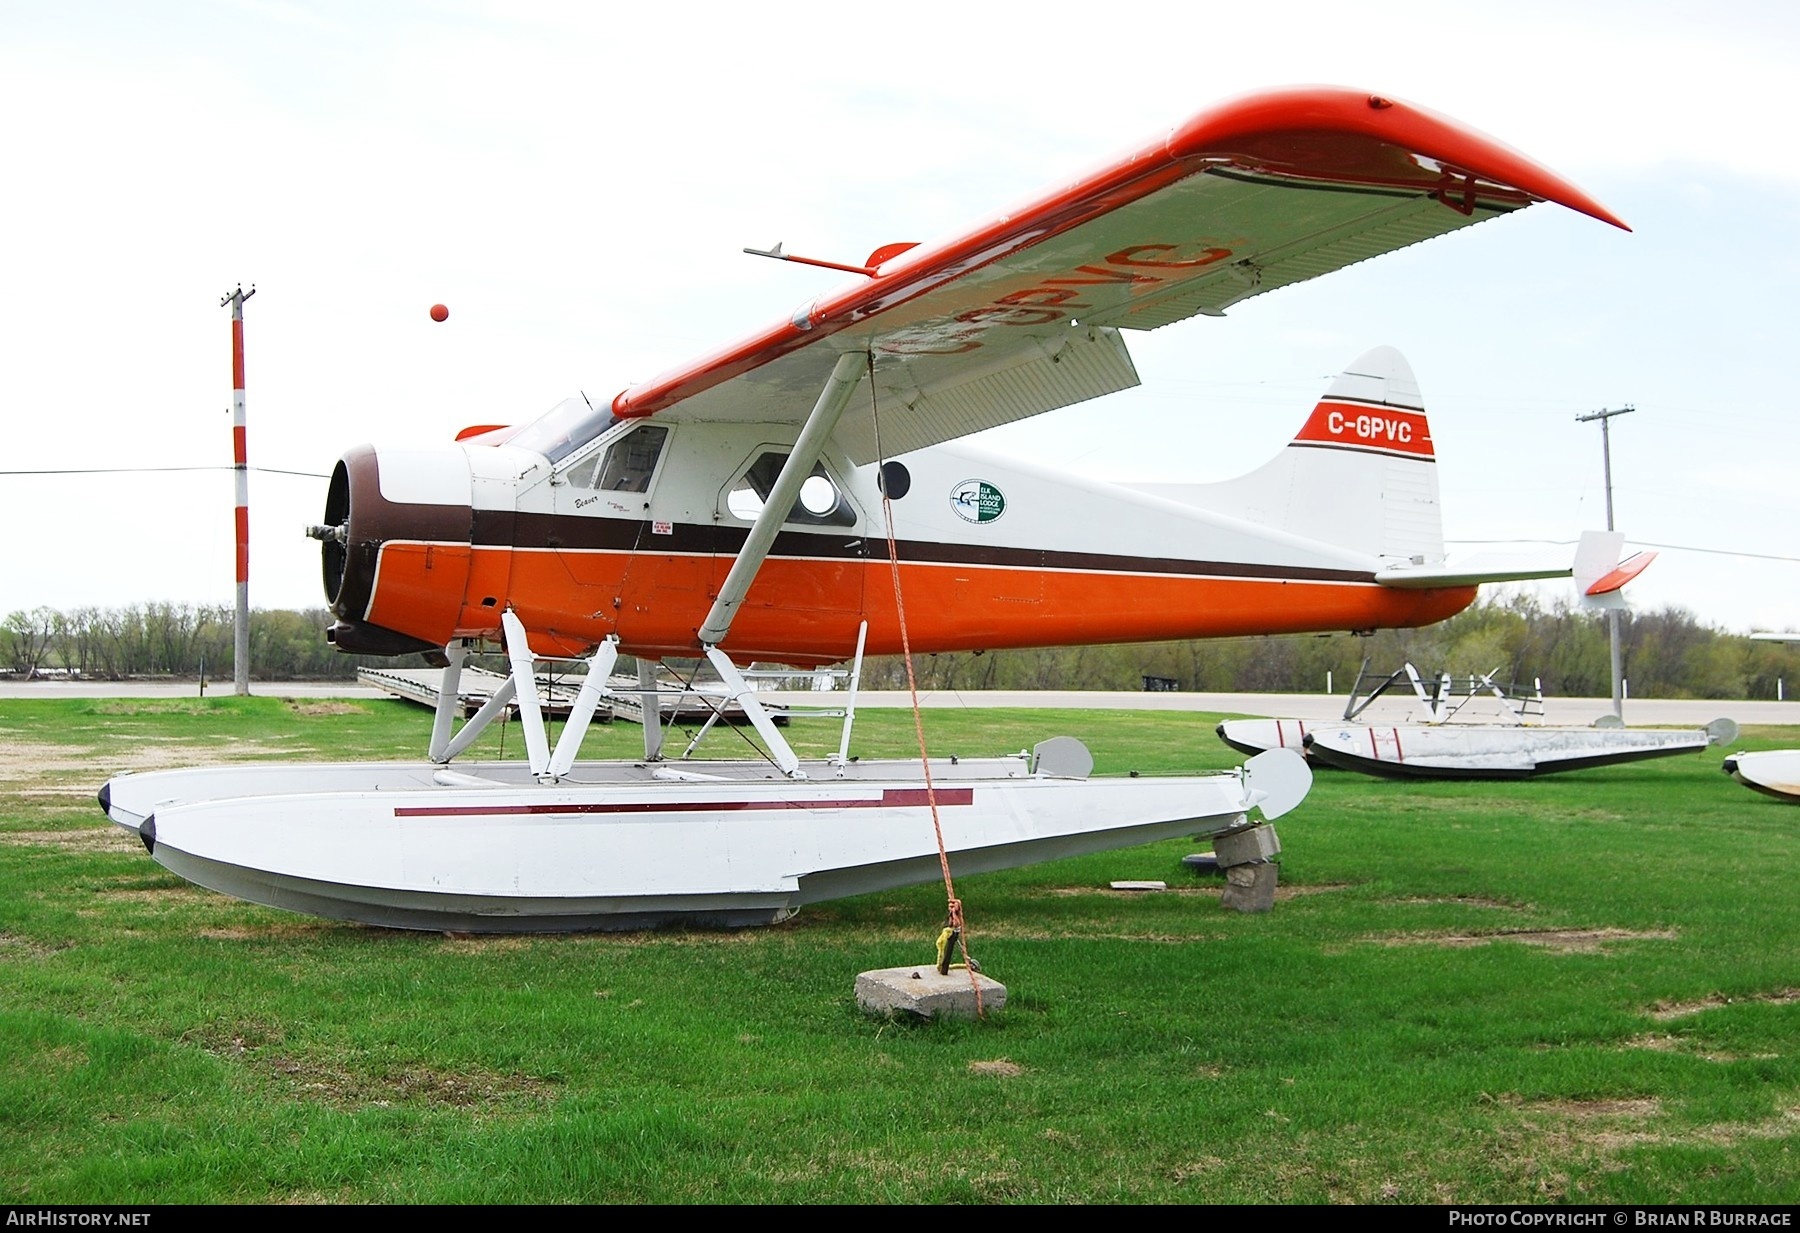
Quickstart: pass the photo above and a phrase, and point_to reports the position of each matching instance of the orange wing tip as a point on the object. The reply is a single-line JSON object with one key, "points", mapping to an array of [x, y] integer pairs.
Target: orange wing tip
{"points": [[1282, 129], [1628, 569]]}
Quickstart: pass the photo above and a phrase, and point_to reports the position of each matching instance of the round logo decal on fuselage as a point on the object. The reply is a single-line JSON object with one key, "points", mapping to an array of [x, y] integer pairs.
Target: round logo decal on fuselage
{"points": [[977, 501]]}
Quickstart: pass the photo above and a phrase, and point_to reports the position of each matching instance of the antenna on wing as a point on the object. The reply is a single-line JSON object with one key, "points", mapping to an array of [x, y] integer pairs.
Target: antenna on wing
{"points": [[777, 254]]}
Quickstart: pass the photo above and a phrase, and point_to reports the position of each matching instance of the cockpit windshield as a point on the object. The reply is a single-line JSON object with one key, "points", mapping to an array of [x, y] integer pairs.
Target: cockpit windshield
{"points": [[571, 423]]}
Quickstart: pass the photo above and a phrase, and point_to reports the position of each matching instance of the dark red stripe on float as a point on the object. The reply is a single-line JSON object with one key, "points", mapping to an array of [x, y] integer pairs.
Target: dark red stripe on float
{"points": [[891, 798]]}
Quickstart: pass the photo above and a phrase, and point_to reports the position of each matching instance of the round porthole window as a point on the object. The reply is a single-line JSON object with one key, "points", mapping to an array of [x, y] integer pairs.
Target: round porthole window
{"points": [[818, 495], [895, 480]]}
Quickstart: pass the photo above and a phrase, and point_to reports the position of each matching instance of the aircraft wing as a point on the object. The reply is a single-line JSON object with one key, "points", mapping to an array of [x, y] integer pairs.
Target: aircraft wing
{"points": [[1022, 314]]}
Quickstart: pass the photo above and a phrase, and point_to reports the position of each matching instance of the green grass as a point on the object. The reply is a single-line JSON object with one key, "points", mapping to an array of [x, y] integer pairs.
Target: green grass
{"points": [[1584, 988]]}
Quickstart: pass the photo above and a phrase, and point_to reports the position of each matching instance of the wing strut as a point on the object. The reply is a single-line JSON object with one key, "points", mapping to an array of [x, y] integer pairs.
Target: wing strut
{"points": [[832, 401], [782, 495]]}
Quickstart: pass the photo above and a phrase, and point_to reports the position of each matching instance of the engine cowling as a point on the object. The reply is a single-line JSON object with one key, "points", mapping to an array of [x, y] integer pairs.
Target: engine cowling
{"points": [[396, 548]]}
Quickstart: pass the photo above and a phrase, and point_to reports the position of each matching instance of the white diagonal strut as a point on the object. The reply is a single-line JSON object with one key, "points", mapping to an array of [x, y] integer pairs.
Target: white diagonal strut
{"points": [[449, 699], [843, 753], [524, 677], [650, 699], [582, 713], [745, 696], [832, 401], [478, 722], [444, 747]]}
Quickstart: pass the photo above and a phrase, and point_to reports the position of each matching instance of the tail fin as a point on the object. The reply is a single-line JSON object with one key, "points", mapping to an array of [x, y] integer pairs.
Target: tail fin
{"points": [[1360, 474]]}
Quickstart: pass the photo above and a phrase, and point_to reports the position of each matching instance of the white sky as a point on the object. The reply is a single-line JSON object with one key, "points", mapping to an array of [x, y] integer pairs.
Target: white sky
{"points": [[576, 183]]}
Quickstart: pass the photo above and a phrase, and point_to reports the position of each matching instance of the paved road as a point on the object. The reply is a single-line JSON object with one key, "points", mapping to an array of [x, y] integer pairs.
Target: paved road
{"points": [[1331, 707], [1311, 707]]}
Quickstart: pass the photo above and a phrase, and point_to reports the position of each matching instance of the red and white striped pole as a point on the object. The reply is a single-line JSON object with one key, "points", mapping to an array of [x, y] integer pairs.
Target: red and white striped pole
{"points": [[241, 472]]}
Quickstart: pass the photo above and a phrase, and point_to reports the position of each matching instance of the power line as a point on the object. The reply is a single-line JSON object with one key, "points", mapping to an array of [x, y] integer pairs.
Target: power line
{"points": [[1717, 552], [157, 470], [1721, 552]]}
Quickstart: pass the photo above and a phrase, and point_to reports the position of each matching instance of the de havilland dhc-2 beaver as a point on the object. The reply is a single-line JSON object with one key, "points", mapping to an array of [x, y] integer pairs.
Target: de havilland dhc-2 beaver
{"points": [[795, 498]]}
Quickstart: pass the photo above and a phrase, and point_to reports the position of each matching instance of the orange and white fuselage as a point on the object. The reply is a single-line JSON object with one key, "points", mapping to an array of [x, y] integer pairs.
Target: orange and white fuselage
{"points": [[991, 553]]}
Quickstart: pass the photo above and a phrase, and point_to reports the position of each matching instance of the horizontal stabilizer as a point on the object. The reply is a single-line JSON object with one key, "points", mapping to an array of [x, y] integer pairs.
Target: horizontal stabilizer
{"points": [[1472, 571], [1598, 573]]}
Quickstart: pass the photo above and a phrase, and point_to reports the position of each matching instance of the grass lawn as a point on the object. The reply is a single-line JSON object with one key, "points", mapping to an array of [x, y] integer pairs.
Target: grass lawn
{"points": [[1583, 988]]}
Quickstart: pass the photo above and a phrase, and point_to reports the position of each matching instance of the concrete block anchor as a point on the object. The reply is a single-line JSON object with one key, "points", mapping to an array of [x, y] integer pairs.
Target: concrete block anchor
{"points": [[1247, 858], [919, 992]]}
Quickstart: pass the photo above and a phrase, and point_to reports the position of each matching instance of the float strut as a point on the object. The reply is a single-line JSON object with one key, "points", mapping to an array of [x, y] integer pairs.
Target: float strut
{"points": [[524, 678], [582, 713]]}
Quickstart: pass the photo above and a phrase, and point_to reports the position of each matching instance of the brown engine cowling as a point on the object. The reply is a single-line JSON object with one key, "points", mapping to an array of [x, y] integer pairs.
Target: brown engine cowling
{"points": [[395, 570]]}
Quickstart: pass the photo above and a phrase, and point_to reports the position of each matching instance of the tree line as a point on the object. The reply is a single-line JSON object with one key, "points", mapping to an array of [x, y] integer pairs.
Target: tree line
{"points": [[172, 640], [1665, 654]]}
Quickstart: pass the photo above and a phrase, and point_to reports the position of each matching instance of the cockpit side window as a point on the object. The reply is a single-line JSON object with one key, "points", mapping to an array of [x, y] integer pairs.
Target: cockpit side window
{"points": [[624, 466], [820, 503], [632, 460]]}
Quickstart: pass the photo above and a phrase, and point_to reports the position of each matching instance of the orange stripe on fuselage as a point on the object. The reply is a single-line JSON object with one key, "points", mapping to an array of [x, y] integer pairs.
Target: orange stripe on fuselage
{"points": [[807, 610]]}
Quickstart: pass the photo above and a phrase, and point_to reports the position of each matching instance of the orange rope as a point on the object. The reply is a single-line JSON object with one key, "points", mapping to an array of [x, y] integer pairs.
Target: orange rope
{"points": [[953, 905]]}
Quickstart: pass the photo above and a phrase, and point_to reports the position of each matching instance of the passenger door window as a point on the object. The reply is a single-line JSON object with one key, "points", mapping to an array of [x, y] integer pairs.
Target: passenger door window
{"points": [[820, 503]]}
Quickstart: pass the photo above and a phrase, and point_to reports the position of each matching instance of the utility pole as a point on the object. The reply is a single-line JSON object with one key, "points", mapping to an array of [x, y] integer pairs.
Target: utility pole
{"points": [[1612, 614], [241, 472]]}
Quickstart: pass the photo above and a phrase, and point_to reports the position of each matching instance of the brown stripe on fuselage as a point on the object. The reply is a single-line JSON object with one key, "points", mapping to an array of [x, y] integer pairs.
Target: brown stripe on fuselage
{"points": [[574, 533]]}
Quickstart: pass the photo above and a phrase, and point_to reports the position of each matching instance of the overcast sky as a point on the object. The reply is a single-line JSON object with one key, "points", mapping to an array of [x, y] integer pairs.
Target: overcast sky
{"points": [[576, 184]]}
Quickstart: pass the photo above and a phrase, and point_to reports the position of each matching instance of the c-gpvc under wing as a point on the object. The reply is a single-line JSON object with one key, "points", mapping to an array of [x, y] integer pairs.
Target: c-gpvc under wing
{"points": [[1022, 314]]}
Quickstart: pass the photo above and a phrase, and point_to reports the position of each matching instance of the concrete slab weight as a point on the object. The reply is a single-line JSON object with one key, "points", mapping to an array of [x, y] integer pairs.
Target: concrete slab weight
{"points": [[1247, 858], [1251, 888], [921, 993]]}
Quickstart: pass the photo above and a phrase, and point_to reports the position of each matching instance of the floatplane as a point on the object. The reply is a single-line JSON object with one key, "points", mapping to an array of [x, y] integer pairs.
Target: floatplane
{"points": [[1445, 698], [796, 497], [1440, 741], [1500, 751]]}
